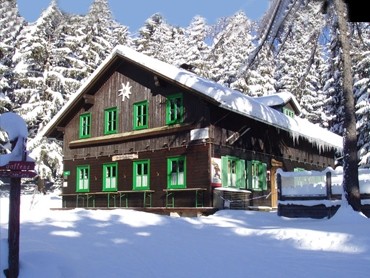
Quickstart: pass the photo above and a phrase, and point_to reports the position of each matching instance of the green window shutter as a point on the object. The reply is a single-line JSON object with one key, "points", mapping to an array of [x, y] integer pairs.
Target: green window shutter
{"points": [[110, 120], [224, 169], [249, 175], [140, 115], [110, 176], [141, 175], [241, 183], [262, 172], [176, 172], [174, 109], [85, 125], [83, 178]]}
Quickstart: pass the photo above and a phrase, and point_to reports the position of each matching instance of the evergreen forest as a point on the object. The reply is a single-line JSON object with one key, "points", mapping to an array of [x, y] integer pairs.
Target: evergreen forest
{"points": [[43, 63]]}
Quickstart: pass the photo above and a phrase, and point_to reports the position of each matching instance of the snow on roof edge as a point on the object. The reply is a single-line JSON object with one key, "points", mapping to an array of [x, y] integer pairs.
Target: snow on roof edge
{"points": [[237, 101], [279, 99], [227, 98]]}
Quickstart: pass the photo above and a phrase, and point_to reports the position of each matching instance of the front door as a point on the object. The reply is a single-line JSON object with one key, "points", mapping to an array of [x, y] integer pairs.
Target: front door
{"points": [[274, 195]]}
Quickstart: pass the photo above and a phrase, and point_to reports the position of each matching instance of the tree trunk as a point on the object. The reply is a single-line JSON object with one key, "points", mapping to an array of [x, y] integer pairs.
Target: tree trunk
{"points": [[350, 159]]}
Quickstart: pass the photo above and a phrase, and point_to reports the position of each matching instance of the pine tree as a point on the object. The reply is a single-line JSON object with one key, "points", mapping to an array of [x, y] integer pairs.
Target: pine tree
{"points": [[11, 25], [334, 106], [156, 39], [33, 95], [300, 60], [360, 34], [231, 44], [98, 30], [196, 47]]}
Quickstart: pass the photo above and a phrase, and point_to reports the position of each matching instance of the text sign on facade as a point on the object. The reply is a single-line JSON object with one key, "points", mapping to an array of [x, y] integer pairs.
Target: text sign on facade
{"points": [[125, 156]]}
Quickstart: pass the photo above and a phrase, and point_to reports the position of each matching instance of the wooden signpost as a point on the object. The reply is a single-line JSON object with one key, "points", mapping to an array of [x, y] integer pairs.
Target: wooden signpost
{"points": [[16, 128]]}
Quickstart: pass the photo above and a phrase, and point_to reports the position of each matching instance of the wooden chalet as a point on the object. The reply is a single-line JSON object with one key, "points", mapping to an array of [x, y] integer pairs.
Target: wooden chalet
{"points": [[141, 133]]}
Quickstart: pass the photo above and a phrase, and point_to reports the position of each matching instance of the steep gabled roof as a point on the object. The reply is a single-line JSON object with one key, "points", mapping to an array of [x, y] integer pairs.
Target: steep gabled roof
{"points": [[224, 97]]}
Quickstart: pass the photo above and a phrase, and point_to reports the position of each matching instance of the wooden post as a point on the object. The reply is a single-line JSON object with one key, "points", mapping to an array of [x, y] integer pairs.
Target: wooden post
{"points": [[328, 185], [279, 185], [13, 231]]}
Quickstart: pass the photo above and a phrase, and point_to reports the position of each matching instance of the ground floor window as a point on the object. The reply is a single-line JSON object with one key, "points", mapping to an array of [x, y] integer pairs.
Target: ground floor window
{"points": [[110, 172], [241, 174], [141, 174], [83, 178], [256, 175], [233, 172], [176, 172]]}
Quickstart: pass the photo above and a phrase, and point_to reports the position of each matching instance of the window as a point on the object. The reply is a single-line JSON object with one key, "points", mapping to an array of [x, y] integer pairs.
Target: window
{"points": [[288, 112], [233, 172], [83, 178], [85, 125], [141, 175], [110, 176], [256, 175], [110, 120], [174, 109], [176, 172], [141, 115]]}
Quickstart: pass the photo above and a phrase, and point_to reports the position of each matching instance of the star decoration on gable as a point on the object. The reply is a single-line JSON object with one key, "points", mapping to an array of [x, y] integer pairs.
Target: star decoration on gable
{"points": [[125, 91]]}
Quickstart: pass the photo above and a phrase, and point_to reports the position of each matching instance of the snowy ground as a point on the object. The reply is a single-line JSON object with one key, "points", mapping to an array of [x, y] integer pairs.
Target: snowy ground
{"points": [[82, 243]]}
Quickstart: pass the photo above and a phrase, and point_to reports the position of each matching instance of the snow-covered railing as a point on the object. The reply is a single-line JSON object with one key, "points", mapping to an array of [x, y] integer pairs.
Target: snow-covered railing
{"points": [[307, 185], [318, 185]]}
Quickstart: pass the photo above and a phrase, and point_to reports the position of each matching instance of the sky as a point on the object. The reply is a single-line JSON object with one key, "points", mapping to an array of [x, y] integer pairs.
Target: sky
{"points": [[134, 13], [81, 243]]}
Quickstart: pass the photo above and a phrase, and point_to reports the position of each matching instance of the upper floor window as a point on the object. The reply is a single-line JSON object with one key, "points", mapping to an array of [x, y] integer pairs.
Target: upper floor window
{"points": [[83, 178], [174, 109], [85, 125], [141, 115], [288, 112], [176, 172], [110, 176], [110, 120], [141, 174]]}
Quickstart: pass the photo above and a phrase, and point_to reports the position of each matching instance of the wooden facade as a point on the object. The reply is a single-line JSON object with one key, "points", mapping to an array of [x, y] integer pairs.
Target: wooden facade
{"points": [[171, 145]]}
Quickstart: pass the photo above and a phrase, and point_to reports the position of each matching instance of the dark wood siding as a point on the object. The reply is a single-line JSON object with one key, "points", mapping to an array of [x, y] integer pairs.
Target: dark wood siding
{"points": [[197, 170], [107, 95]]}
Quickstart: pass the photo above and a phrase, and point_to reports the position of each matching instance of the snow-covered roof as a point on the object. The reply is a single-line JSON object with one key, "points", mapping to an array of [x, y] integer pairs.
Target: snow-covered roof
{"points": [[222, 96], [280, 98]]}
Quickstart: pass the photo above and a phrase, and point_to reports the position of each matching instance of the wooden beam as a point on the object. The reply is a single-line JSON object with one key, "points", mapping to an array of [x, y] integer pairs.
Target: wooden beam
{"points": [[235, 136], [60, 129], [89, 99]]}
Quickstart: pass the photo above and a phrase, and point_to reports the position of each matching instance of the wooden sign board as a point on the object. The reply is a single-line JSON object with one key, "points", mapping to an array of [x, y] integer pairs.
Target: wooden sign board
{"points": [[18, 169], [18, 166], [125, 156]]}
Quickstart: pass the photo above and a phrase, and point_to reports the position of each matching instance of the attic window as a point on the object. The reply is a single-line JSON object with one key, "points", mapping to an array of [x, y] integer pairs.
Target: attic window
{"points": [[174, 109], [288, 112], [141, 115], [110, 120], [85, 125]]}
